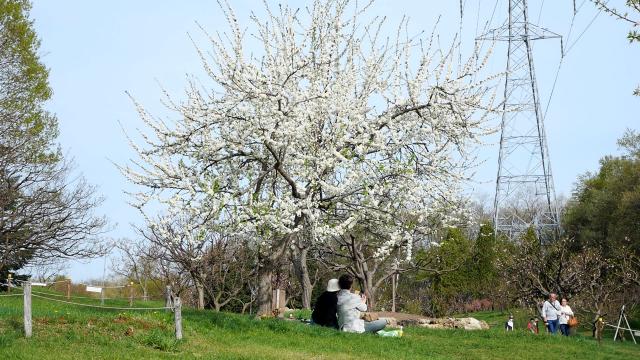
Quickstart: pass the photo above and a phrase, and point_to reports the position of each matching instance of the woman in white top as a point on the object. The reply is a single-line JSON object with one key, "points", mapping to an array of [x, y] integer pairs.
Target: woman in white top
{"points": [[565, 313]]}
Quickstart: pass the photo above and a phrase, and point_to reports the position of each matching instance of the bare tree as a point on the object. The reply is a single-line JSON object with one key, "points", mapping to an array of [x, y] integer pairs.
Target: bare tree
{"points": [[136, 262], [219, 266], [46, 271], [597, 283], [357, 253], [182, 242], [46, 215], [230, 265]]}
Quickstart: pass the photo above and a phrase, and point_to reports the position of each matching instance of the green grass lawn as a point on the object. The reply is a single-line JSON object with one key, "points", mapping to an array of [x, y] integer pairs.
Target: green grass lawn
{"points": [[63, 331]]}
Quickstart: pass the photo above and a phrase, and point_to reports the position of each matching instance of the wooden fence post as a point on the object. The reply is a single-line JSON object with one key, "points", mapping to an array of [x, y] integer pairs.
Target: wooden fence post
{"points": [[102, 296], [27, 309], [167, 302], [393, 293], [177, 315], [68, 288], [131, 294]]}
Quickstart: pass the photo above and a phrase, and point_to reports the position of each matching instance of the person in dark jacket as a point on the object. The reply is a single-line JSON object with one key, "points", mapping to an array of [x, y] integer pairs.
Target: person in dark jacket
{"points": [[324, 313]]}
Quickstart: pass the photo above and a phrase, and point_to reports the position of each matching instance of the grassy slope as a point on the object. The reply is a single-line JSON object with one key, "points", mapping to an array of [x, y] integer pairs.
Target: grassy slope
{"points": [[70, 332]]}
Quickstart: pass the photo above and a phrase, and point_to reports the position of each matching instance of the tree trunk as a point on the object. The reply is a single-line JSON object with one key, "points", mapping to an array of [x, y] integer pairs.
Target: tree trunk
{"points": [[302, 273], [263, 298], [245, 306], [269, 264], [365, 278], [216, 305], [370, 291], [200, 290]]}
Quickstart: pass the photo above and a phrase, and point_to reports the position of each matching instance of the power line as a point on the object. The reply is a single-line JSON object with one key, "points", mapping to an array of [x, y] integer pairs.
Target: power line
{"points": [[553, 88], [584, 31], [488, 24], [576, 10], [540, 12]]}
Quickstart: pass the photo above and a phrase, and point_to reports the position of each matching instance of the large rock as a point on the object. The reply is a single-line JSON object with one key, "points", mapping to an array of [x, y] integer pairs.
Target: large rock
{"points": [[473, 324], [447, 323]]}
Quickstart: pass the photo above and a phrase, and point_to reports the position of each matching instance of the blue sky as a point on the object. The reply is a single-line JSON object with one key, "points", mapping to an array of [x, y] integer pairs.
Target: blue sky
{"points": [[97, 50]]}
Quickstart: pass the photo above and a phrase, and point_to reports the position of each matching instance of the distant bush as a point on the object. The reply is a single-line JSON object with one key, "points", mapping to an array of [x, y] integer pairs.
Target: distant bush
{"points": [[300, 314]]}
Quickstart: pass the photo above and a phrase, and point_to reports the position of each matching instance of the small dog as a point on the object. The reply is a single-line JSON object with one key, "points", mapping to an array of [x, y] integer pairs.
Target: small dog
{"points": [[508, 326]]}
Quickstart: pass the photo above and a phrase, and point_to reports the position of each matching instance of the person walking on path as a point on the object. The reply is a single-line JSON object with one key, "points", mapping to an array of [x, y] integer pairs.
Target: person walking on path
{"points": [[350, 307], [550, 313], [563, 319], [326, 309]]}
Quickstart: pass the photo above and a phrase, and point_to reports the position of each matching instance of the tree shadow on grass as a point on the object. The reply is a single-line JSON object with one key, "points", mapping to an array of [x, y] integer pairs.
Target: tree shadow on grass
{"points": [[15, 325]]}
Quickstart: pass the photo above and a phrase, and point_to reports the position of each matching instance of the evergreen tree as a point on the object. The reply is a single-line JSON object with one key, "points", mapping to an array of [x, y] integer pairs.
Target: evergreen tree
{"points": [[485, 257]]}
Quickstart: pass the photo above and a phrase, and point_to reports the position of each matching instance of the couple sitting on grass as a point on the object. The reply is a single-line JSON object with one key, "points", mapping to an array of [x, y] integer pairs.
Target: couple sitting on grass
{"points": [[341, 309]]}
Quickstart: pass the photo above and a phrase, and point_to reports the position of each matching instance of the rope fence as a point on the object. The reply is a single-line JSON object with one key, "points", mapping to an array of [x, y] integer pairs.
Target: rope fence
{"points": [[7, 295], [101, 290], [45, 283], [98, 298], [101, 306], [172, 303]]}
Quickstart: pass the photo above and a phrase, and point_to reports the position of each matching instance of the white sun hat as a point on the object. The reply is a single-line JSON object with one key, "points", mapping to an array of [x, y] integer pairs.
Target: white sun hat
{"points": [[332, 285]]}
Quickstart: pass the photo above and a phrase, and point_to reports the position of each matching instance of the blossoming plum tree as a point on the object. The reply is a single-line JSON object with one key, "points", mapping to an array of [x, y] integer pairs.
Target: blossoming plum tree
{"points": [[300, 143]]}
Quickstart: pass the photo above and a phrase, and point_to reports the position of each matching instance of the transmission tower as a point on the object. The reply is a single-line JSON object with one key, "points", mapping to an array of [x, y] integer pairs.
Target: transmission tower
{"points": [[525, 196]]}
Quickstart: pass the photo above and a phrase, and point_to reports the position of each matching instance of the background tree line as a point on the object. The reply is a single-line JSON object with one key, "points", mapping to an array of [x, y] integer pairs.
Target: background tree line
{"points": [[596, 262]]}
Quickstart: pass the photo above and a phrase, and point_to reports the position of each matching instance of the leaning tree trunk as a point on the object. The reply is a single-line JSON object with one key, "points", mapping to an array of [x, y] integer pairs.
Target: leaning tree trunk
{"points": [[302, 273]]}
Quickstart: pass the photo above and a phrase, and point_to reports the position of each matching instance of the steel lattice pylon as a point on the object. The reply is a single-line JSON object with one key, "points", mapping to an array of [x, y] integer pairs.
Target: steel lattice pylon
{"points": [[525, 196]]}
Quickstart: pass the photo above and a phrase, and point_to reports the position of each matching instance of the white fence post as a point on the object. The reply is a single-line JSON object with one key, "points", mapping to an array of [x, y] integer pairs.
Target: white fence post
{"points": [[177, 315], [27, 309]]}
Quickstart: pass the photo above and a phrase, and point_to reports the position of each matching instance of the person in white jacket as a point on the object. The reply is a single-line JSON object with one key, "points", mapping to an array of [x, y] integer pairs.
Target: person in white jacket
{"points": [[563, 319], [350, 307], [550, 312]]}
